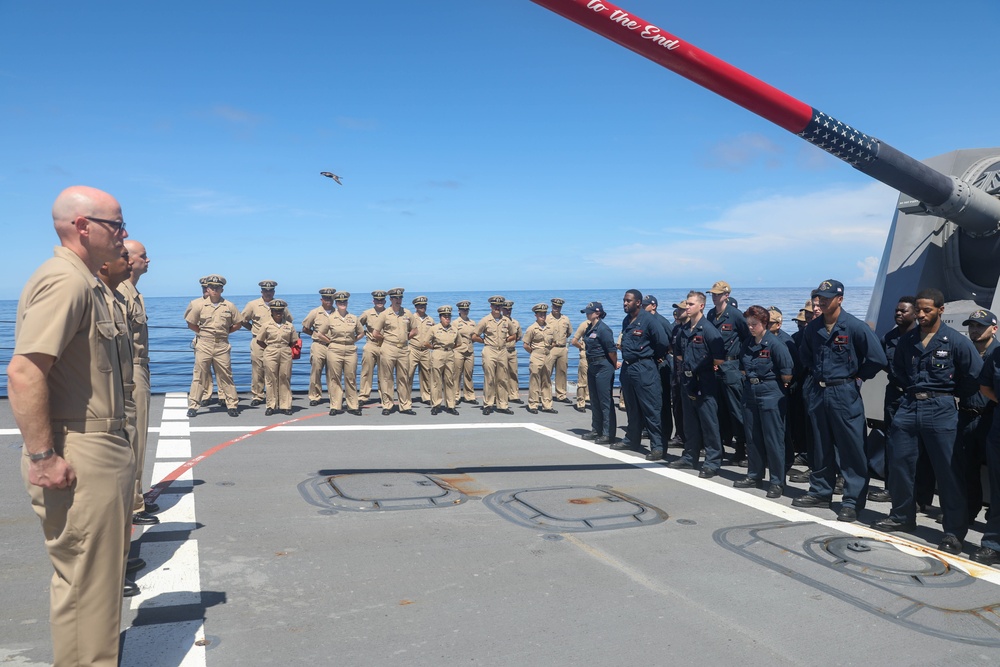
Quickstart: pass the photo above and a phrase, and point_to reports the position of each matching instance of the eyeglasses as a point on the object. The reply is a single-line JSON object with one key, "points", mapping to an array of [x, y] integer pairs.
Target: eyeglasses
{"points": [[117, 225]]}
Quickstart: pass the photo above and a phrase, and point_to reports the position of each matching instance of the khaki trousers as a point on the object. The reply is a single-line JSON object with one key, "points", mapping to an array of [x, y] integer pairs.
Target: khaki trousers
{"points": [[87, 529], [465, 363], [256, 370], [342, 371], [444, 390], [140, 374], [393, 369], [278, 376], [582, 390], [540, 380], [317, 367], [212, 354], [369, 362], [560, 362], [495, 393], [512, 386], [421, 359]]}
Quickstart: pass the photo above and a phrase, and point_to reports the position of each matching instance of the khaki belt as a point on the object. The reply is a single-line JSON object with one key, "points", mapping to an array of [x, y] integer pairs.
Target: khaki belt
{"points": [[557, 345], [89, 426]]}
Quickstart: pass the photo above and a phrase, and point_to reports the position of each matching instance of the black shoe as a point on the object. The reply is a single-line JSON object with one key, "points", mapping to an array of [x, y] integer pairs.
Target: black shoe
{"points": [[268, 412], [407, 412], [602, 440], [811, 501], [707, 473], [255, 402], [738, 463], [798, 476], [879, 496], [655, 455], [150, 508], [435, 410], [800, 460], [680, 464], [590, 435], [386, 412], [644, 435], [144, 519], [533, 411], [745, 483], [774, 491], [209, 401], [451, 411], [131, 589], [287, 412], [615, 444], [515, 400], [579, 409], [472, 402], [986, 556], [133, 565], [551, 411], [487, 410], [192, 412], [950, 545], [233, 412], [675, 442], [356, 412], [334, 412], [313, 404], [889, 525], [507, 411], [847, 513]]}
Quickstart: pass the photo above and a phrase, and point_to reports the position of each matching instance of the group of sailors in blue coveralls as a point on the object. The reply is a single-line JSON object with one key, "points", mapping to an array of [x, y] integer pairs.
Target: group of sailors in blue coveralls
{"points": [[729, 377]]}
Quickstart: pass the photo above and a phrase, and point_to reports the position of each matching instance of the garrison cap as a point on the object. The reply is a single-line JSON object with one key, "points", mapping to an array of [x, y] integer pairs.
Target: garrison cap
{"points": [[984, 317], [327, 291], [278, 304], [496, 300], [203, 280], [508, 304], [649, 300], [540, 308], [396, 292], [341, 296], [379, 294], [420, 301], [720, 287], [444, 310], [215, 280], [267, 284], [829, 289], [594, 307], [558, 302], [464, 304]]}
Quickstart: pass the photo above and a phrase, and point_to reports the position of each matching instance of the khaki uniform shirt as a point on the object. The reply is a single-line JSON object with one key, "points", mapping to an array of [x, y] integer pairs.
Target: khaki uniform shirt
{"points": [[423, 327], [315, 321], [63, 313], [214, 319], [272, 333], [195, 303], [515, 328], [578, 336], [395, 328], [138, 322], [465, 330], [258, 311], [561, 329], [367, 320], [444, 339], [494, 332], [342, 329], [539, 339]]}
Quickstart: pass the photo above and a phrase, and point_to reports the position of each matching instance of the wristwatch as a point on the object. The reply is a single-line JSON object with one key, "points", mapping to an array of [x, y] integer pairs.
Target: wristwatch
{"points": [[41, 456]]}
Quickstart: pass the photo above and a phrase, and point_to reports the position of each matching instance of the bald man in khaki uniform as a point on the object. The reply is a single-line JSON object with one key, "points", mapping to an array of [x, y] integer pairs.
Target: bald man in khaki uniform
{"points": [[582, 393], [213, 320], [493, 331], [314, 325], [254, 313], [420, 352], [512, 369], [343, 330], [66, 393], [562, 332], [372, 348], [393, 329], [465, 355], [444, 338]]}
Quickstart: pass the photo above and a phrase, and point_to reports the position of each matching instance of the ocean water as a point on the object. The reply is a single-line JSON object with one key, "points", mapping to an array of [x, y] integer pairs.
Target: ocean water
{"points": [[171, 357]]}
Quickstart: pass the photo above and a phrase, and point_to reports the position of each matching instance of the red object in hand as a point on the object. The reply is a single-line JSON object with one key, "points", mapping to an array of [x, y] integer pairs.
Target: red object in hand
{"points": [[297, 349]]}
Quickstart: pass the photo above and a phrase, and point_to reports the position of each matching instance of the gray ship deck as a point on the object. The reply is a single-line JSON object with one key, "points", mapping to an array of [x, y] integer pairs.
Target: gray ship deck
{"points": [[491, 541]]}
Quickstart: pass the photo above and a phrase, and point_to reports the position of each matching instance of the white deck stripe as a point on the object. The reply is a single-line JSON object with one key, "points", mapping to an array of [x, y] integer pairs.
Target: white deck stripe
{"points": [[173, 448], [164, 644]]}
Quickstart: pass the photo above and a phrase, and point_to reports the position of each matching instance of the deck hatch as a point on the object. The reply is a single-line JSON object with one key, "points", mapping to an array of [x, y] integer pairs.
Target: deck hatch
{"points": [[382, 491], [573, 509]]}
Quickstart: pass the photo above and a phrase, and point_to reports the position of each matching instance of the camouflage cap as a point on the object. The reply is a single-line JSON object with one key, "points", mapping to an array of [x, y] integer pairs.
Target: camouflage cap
{"points": [[267, 285]]}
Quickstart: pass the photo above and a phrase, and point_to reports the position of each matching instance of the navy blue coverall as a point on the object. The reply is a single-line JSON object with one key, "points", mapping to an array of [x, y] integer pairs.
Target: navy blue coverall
{"points": [[643, 343], [697, 346], [990, 377], [733, 328], [930, 378], [765, 401], [599, 343], [836, 361]]}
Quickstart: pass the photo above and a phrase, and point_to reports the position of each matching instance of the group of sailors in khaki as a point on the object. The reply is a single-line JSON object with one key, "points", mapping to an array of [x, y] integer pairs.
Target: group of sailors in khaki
{"points": [[400, 345]]}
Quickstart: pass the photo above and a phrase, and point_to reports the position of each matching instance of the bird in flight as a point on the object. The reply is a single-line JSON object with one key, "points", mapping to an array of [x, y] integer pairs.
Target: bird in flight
{"points": [[331, 175]]}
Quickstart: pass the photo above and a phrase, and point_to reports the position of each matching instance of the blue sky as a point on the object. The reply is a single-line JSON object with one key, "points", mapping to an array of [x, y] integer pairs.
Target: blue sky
{"points": [[483, 144]]}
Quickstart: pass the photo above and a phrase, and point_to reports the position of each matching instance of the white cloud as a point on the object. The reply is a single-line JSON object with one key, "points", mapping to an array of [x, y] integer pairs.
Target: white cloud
{"points": [[794, 237]]}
